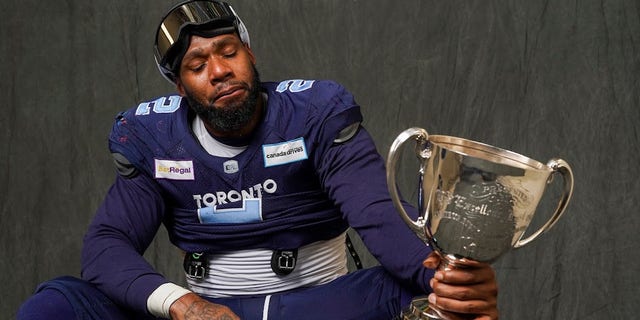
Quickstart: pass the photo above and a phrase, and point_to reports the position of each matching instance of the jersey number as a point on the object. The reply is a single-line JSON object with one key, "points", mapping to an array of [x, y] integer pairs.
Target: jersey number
{"points": [[294, 85], [172, 103], [160, 105]]}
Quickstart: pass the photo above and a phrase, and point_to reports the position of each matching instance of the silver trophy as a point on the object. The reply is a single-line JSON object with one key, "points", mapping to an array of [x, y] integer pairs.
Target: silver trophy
{"points": [[475, 200]]}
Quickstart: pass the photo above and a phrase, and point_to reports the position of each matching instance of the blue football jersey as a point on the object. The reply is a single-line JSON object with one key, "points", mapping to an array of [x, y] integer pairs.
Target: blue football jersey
{"points": [[267, 196], [294, 184]]}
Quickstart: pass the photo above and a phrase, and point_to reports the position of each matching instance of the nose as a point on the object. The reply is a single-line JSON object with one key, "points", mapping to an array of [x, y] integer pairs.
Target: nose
{"points": [[219, 70]]}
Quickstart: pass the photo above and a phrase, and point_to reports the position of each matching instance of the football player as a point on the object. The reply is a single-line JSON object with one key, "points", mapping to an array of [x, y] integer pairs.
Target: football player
{"points": [[257, 182]]}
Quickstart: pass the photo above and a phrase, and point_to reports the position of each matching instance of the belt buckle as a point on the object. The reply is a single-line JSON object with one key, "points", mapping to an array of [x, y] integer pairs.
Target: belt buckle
{"points": [[195, 266], [283, 262]]}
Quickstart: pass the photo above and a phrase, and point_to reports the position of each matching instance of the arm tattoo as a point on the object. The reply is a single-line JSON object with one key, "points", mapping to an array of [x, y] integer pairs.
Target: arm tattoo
{"points": [[201, 310]]}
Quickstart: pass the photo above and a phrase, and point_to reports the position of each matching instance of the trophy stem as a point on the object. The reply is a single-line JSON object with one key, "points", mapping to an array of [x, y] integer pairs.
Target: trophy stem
{"points": [[419, 309]]}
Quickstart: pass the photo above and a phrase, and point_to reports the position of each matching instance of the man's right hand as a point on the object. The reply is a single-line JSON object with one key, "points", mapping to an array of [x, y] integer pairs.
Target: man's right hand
{"points": [[193, 307]]}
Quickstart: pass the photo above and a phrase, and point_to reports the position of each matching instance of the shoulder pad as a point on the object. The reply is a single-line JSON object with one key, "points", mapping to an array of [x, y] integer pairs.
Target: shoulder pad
{"points": [[347, 133], [123, 166]]}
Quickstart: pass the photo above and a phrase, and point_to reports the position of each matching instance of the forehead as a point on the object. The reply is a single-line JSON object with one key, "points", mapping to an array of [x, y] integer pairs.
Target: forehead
{"points": [[202, 43]]}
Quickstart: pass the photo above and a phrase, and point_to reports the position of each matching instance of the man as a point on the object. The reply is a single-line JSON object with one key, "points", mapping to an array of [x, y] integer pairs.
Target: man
{"points": [[257, 183]]}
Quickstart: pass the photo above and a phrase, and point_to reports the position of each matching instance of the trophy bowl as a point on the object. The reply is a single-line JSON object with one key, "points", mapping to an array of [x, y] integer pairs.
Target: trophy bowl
{"points": [[475, 200]]}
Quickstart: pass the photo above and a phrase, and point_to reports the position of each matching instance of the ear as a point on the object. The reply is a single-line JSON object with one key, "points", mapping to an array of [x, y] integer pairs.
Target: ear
{"points": [[180, 88], [252, 57]]}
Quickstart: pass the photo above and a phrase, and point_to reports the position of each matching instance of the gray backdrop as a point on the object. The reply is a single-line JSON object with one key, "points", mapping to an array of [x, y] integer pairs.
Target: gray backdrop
{"points": [[543, 78]]}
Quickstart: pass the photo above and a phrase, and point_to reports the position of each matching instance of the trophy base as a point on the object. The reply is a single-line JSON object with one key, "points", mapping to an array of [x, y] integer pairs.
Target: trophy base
{"points": [[419, 309]]}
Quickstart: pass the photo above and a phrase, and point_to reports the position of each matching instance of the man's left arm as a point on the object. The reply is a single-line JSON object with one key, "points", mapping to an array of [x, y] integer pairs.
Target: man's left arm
{"points": [[354, 176]]}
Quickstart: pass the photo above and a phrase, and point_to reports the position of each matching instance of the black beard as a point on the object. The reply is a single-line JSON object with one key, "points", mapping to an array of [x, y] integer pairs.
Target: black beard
{"points": [[232, 117]]}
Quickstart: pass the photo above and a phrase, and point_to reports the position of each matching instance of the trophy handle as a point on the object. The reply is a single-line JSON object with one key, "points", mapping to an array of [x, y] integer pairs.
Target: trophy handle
{"points": [[421, 137], [562, 167]]}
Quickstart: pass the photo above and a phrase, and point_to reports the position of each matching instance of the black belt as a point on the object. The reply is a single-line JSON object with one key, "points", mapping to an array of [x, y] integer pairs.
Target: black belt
{"points": [[196, 267], [283, 262]]}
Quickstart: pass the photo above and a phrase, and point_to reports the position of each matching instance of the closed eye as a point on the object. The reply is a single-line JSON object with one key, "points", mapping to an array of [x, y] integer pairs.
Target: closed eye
{"points": [[229, 53], [198, 67]]}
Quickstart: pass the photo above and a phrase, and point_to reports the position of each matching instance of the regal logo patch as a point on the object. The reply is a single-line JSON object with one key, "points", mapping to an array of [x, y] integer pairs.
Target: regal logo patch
{"points": [[174, 169]]}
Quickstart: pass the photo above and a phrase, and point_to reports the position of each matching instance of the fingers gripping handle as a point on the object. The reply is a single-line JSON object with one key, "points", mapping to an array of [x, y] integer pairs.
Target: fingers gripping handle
{"points": [[561, 167], [420, 136]]}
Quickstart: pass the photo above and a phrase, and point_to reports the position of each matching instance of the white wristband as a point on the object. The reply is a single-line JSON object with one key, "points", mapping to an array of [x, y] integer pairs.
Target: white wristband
{"points": [[161, 299]]}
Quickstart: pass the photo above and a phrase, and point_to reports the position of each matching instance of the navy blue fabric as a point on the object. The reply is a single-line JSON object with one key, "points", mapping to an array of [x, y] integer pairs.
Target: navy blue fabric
{"points": [[71, 298], [45, 303], [367, 294]]}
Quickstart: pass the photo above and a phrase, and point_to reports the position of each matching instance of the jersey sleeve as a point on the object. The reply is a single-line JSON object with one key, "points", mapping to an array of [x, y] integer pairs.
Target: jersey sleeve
{"points": [[127, 140], [334, 110], [354, 176], [123, 228]]}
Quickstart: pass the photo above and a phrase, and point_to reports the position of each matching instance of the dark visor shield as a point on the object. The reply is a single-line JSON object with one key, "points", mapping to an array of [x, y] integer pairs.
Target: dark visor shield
{"points": [[207, 17]]}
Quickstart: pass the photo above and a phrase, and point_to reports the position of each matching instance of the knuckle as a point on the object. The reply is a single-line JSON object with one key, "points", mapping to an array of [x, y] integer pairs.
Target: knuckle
{"points": [[463, 294]]}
